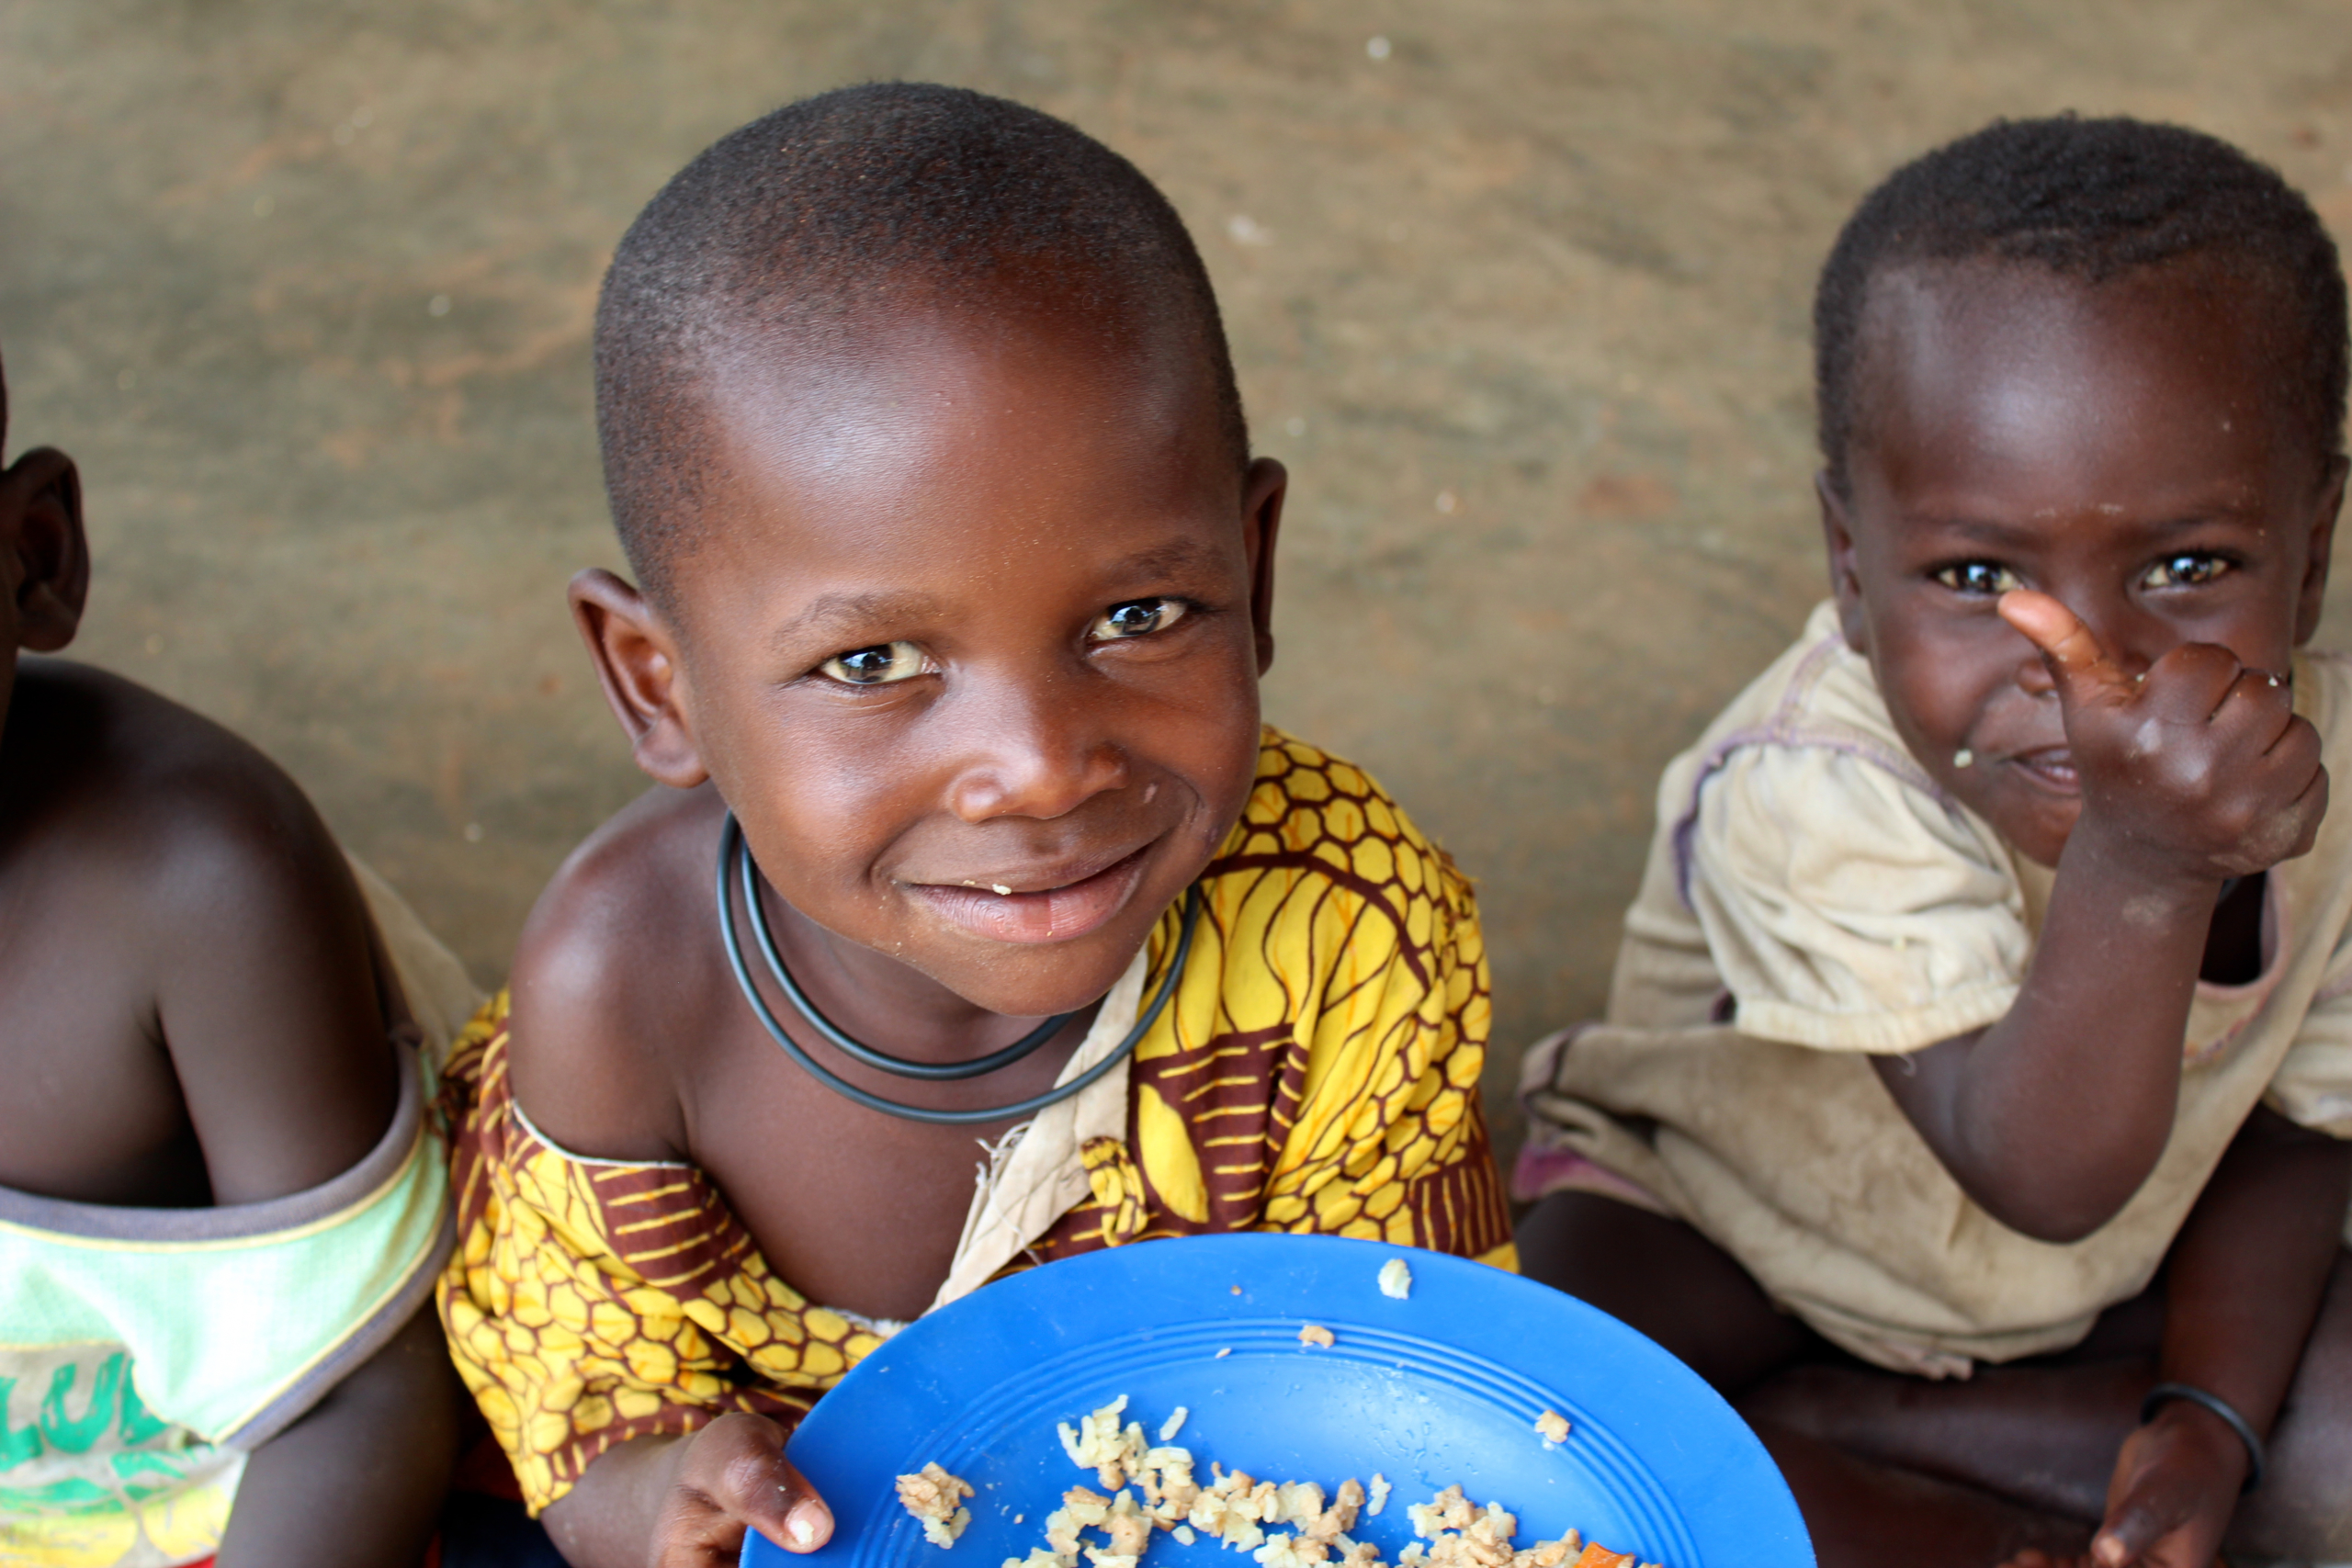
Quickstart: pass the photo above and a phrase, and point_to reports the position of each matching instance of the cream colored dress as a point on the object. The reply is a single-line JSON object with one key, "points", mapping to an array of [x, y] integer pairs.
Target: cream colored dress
{"points": [[1812, 899]]}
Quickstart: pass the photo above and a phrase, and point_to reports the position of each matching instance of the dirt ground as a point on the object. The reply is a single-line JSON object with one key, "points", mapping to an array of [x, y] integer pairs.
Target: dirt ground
{"points": [[1518, 290]]}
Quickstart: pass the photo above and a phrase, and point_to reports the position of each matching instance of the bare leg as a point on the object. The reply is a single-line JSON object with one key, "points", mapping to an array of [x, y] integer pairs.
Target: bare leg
{"points": [[2043, 1438], [1863, 1515], [1673, 1284], [1664, 1279], [2045, 1434]]}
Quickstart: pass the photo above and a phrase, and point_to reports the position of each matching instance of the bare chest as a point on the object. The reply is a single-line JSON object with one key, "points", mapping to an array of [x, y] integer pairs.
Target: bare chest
{"points": [[853, 1207]]}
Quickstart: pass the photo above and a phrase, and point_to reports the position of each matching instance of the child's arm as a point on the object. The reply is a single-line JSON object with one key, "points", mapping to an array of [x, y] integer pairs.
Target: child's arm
{"points": [[2195, 773], [688, 1502], [270, 1002], [2243, 1288]]}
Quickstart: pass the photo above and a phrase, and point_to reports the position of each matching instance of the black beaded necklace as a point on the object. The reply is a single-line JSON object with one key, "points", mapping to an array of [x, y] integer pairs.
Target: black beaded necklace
{"points": [[735, 856]]}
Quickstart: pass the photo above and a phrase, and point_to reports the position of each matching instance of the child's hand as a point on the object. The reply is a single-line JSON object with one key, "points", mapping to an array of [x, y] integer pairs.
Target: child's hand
{"points": [[2200, 768], [2175, 1485], [2175, 1488], [729, 1478]]}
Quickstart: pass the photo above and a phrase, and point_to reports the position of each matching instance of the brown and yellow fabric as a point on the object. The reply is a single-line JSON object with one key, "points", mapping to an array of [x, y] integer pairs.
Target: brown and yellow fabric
{"points": [[1316, 1072]]}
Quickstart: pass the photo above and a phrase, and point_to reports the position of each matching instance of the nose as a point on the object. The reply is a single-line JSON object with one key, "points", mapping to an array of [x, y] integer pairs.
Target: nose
{"points": [[2133, 638], [1033, 748]]}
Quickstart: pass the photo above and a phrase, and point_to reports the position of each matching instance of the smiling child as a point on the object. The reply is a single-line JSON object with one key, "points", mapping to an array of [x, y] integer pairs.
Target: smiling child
{"points": [[955, 582], [1987, 1005]]}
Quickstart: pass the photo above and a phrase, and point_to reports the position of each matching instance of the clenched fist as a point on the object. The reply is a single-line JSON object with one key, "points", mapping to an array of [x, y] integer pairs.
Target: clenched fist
{"points": [[2198, 770]]}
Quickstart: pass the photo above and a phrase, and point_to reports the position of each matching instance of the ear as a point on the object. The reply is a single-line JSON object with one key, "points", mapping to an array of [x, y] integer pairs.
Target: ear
{"points": [[40, 527], [2312, 602], [1263, 488], [1845, 573], [637, 663]]}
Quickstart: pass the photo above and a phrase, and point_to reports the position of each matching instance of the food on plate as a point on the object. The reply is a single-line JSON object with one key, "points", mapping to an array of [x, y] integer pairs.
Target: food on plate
{"points": [[935, 1498], [1173, 1425], [1316, 1334], [1552, 1427], [1281, 1524], [1396, 1279]]}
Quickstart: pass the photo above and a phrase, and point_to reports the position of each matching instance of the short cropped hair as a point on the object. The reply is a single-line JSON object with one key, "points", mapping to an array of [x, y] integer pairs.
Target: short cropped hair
{"points": [[2089, 199], [831, 213]]}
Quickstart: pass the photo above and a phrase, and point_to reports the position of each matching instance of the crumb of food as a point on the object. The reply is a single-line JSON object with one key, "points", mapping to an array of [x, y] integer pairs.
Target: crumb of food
{"points": [[1396, 1279], [1279, 1524], [1316, 1334], [1553, 1427], [1221, 1355], [1173, 1425], [1101, 1445], [935, 1499]]}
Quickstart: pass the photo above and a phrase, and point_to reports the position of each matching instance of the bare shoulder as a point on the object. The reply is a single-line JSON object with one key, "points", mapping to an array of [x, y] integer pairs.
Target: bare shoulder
{"points": [[616, 980], [205, 825], [192, 899]]}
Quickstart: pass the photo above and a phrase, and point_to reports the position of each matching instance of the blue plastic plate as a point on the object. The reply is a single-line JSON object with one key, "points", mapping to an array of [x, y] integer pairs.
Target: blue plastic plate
{"points": [[1441, 1388]]}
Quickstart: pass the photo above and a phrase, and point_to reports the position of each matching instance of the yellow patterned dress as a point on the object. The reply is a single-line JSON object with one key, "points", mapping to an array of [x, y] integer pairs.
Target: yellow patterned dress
{"points": [[1316, 1072]]}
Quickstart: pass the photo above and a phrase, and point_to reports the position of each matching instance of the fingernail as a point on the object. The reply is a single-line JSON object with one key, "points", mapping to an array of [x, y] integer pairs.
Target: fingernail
{"points": [[801, 1525]]}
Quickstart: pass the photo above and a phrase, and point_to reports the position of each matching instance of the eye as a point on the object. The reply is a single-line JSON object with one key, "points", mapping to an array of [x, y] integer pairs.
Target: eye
{"points": [[878, 666], [1978, 577], [2191, 569], [1137, 617]]}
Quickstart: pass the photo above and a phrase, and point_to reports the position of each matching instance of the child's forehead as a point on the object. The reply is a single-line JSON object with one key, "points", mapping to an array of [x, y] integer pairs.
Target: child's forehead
{"points": [[2152, 390], [954, 440], [2017, 347], [966, 406]]}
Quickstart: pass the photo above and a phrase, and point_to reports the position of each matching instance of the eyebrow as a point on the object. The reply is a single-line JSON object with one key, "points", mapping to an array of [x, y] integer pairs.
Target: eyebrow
{"points": [[851, 613], [1176, 555], [1990, 532]]}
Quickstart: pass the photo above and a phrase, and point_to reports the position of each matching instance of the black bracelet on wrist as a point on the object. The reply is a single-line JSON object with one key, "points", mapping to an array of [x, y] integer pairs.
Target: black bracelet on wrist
{"points": [[2163, 1393]]}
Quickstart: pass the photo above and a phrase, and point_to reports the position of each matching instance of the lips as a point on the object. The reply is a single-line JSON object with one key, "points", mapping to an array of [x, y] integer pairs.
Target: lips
{"points": [[2051, 767], [1050, 904]]}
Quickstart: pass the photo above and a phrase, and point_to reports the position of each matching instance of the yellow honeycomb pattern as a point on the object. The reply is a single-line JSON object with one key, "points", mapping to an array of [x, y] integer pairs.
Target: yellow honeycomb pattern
{"points": [[1316, 1071]]}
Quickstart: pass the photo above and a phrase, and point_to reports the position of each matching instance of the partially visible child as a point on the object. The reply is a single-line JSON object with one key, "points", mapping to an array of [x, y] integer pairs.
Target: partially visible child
{"points": [[1987, 1006], [956, 580], [222, 1207]]}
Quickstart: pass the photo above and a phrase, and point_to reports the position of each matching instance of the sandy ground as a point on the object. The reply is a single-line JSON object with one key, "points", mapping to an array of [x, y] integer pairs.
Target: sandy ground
{"points": [[1521, 296]]}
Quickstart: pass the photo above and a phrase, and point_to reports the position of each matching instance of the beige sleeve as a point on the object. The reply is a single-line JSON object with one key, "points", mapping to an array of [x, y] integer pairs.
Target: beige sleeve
{"points": [[1848, 909], [2313, 1084]]}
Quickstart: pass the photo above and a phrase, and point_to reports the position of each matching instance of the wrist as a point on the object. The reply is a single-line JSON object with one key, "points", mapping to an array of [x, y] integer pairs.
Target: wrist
{"points": [[2212, 1426], [2161, 883]]}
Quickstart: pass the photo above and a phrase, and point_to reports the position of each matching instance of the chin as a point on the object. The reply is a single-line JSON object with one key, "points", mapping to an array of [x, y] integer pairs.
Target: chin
{"points": [[1035, 980]]}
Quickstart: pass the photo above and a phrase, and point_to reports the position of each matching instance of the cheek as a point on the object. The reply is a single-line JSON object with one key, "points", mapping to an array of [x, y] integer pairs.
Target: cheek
{"points": [[1937, 678], [1209, 733], [827, 785]]}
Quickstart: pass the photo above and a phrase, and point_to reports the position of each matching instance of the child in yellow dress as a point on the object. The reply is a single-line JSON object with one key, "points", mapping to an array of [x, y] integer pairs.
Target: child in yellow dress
{"points": [[955, 584]]}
